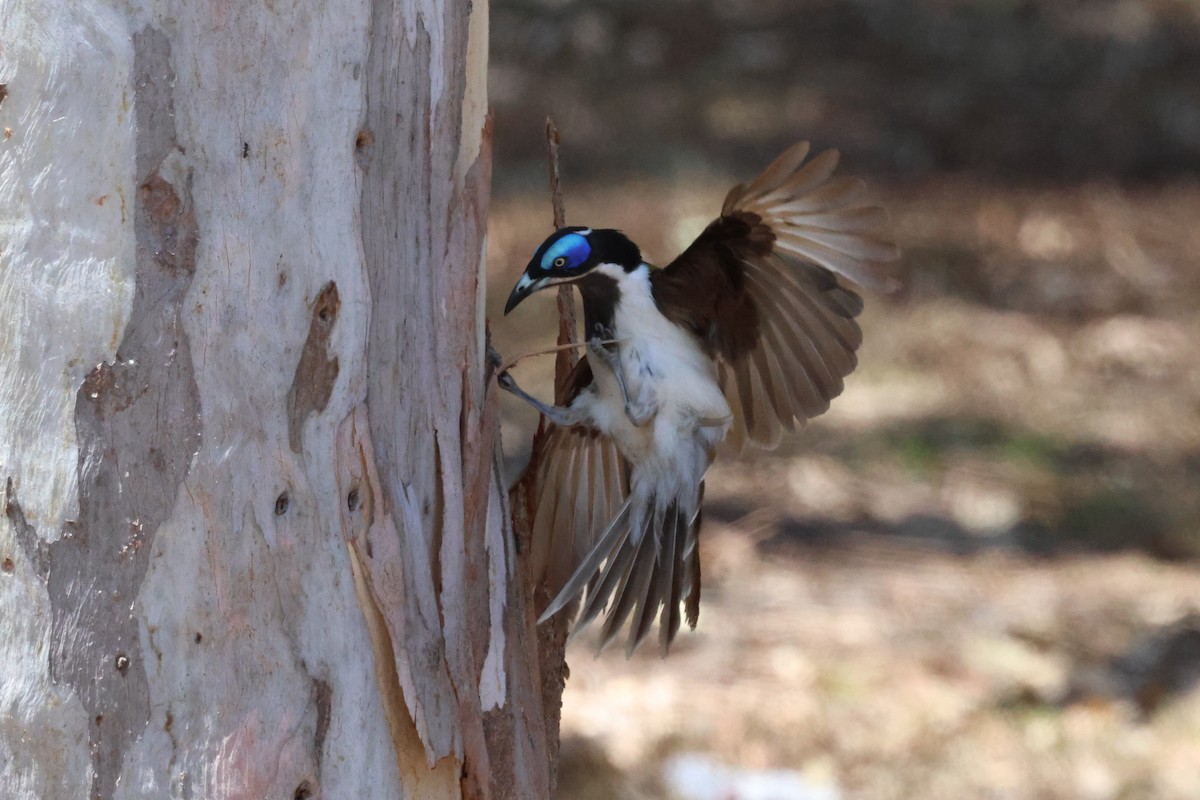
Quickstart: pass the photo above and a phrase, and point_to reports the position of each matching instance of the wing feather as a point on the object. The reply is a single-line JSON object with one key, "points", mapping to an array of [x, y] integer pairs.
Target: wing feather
{"points": [[866, 218], [812, 175], [820, 348], [550, 489], [799, 366], [737, 436], [768, 428], [840, 195], [769, 290], [786, 164], [564, 515]]}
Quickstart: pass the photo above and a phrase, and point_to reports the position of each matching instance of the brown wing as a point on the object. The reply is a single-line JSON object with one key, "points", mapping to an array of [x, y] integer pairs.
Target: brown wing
{"points": [[766, 289], [582, 481]]}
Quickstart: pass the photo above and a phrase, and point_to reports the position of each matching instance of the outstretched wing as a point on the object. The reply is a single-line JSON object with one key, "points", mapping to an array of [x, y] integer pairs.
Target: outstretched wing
{"points": [[582, 482], [766, 288]]}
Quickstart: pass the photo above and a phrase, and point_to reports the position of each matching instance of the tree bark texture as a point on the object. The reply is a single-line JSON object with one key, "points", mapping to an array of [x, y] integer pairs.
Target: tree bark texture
{"points": [[255, 543]]}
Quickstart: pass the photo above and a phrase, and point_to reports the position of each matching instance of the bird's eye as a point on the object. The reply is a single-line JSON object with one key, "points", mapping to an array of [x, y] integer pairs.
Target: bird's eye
{"points": [[564, 252]]}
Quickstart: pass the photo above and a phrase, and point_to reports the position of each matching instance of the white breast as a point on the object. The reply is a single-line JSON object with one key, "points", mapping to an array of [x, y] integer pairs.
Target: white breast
{"points": [[668, 377]]}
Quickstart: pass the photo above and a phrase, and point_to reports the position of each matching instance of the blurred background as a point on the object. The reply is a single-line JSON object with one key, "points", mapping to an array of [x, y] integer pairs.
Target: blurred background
{"points": [[976, 576]]}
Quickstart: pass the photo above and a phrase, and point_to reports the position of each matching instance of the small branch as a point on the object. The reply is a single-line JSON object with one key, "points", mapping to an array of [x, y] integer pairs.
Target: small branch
{"points": [[512, 362], [551, 638], [552, 140], [567, 321]]}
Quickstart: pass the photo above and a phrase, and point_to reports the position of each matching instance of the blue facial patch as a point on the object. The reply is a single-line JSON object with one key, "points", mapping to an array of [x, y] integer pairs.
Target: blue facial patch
{"points": [[569, 252]]}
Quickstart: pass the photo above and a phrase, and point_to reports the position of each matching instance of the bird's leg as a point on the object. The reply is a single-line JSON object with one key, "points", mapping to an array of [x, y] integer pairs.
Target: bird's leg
{"points": [[608, 358], [562, 416]]}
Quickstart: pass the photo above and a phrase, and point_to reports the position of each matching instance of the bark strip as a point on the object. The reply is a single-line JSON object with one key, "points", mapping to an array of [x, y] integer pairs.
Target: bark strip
{"points": [[138, 425]]}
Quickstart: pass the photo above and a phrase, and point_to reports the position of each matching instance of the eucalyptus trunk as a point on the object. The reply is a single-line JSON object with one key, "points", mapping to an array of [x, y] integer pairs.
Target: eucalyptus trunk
{"points": [[255, 543]]}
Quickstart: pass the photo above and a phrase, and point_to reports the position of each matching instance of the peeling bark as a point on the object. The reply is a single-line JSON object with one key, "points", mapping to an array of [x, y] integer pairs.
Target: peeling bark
{"points": [[317, 371]]}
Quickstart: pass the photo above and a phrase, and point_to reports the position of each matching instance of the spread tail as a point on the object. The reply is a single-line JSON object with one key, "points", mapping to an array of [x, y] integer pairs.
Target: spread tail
{"points": [[645, 565]]}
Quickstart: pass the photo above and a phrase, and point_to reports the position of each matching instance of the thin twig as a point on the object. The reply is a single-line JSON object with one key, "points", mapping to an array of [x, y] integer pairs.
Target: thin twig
{"points": [[567, 325], [552, 140], [550, 638], [512, 362]]}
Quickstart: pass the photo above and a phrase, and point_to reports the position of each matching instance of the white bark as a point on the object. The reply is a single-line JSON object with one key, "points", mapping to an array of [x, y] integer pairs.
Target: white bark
{"points": [[254, 543]]}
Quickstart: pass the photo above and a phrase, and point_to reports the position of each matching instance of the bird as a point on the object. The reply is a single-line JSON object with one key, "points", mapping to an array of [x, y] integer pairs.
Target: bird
{"points": [[744, 336]]}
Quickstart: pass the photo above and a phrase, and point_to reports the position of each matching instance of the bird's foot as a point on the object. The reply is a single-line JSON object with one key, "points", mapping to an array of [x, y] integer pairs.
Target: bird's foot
{"points": [[639, 415], [597, 350], [494, 360], [596, 346], [561, 416]]}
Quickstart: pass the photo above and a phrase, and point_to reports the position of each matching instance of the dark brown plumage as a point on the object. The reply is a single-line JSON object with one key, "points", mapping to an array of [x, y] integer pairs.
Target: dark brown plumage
{"points": [[704, 289]]}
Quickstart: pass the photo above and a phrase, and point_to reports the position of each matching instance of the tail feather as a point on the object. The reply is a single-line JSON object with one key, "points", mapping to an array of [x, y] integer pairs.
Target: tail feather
{"points": [[633, 582], [610, 541], [656, 593], [672, 578], [691, 559], [644, 567], [606, 580], [605, 502]]}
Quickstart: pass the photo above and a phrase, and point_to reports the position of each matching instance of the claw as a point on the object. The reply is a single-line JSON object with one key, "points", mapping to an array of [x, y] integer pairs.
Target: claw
{"points": [[563, 417], [493, 357], [603, 355], [637, 419]]}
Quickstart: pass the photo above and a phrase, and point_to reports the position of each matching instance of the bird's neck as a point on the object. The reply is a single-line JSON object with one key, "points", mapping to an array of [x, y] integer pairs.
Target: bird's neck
{"points": [[603, 289]]}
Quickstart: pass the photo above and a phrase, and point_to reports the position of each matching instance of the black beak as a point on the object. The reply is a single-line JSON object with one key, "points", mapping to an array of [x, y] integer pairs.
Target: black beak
{"points": [[525, 287]]}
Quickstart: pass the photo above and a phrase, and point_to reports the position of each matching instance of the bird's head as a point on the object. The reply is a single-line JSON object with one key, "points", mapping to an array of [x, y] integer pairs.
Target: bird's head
{"points": [[571, 254]]}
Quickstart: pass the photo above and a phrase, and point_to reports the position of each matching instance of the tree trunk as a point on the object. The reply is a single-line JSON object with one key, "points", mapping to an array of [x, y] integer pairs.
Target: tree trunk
{"points": [[255, 544]]}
